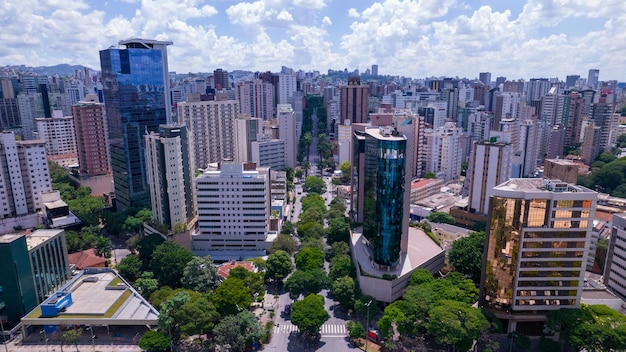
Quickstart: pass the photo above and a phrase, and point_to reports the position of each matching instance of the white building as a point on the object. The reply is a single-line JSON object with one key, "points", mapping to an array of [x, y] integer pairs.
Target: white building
{"points": [[233, 211], [256, 98], [287, 132], [344, 141], [211, 126], [246, 131], [489, 166], [24, 175], [443, 151], [615, 269], [287, 85], [60, 137], [269, 153]]}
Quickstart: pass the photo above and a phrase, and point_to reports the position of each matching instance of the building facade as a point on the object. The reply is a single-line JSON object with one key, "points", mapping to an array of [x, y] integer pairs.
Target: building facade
{"points": [[490, 165], [287, 132], [91, 137], [615, 268], [256, 98], [269, 153], [137, 100], [59, 134], [353, 101]]}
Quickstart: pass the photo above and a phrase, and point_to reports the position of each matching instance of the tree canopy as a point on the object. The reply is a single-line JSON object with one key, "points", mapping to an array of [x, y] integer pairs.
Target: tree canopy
{"points": [[238, 331], [168, 263], [343, 290], [338, 231], [130, 268], [466, 255], [232, 296], [200, 274], [154, 341], [455, 323], [279, 265], [309, 314], [441, 217], [309, 259], [284, 243], [303, 282], [314, 184]]}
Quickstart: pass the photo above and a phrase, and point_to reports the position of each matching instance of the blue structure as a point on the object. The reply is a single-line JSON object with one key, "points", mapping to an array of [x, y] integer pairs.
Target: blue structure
{"points": [[56, 303], [137, 99]]}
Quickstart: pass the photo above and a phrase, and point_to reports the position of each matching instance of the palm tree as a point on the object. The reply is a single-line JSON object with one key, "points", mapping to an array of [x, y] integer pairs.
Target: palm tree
{"points": [[103, 246], [306, 167], [307, 138]]}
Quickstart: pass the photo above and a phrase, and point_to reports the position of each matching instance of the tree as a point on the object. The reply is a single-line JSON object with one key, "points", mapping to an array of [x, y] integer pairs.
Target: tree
{"points": [[74, 242], [343, 290], [130, 268], [309, 314], [146, 247], [168, 263], [298, 173], [355, 329], [89, 235], [441, 217], [232, 296], [253, 281], [284, 243], [310, 230], [87, 208], [169, 315], [312, 215], [146, 284], [338, 231], [288, 228], [238, 331], [345, 168], [431, 175], [307, 139], [179, 227], [103, 246], [71, 337], [309, 258], [198, 316], [154, 341], [200, 274], [279, 265], [305, 282], [314, 184], [606, 157], [339, 248], [455, 323], [133, 242], [340, 266], [421, 276], [466, 255]]}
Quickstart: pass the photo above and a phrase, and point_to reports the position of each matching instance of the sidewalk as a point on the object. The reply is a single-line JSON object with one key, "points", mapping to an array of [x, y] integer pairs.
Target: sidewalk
{"points": [[69, 348]]}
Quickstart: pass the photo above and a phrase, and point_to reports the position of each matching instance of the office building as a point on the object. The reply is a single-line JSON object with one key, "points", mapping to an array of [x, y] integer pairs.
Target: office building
{"points": [[24, 175], [353, 101], [269, 152], [9, 114], [485, 78], [91, 137], [170, 175], [615, 268], [592, 78], [233, 211], [287, 132], [256, 98], [137, 100], [220, 79], [374, 70], [39, 266], [211, 126], [536, 249], [59, 134], [246, 132], [489, 166], [571, 81]]}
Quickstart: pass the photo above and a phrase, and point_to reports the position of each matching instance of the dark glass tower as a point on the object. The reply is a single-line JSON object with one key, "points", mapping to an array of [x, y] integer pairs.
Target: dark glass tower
{"points": [[137, 100], [379, 191]]}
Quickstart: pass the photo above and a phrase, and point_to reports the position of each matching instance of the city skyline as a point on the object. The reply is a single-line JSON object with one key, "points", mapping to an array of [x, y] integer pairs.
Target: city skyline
{"points": [[412, 38]]}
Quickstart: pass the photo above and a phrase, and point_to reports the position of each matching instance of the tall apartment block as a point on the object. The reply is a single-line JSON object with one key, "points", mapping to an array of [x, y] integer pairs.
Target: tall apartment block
{"points": [[353, 101], [246, 132], [137, 99], [269, 152], [211, 126], [537, 245], [59, 134], [287, 86], [615, 268], [24, 175], [443, 151], [490, 165], [91, 137], [256, 98], [593, 77], [485, 78], [220, 79], [233, 211], [287, 132], [170, 174], [39, 265]]}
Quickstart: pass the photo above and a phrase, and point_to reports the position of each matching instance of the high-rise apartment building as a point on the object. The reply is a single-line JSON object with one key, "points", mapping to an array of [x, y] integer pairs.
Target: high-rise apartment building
{"points": [[374, 70], [572, 118], [489, 166], [536, 249], [256, 98], [287, 132], [380, 189], [233, 211], [592, 78], [246, 132], [571, 81], [220, 79], [603, 116], [171, 174], [137, 99], [24, 175], [614, 271], [287, 85], [91, 137], [353, 101], [443, 151], [485, 78], [59, 134], [39, 266], [211, 126], [267, 152]]}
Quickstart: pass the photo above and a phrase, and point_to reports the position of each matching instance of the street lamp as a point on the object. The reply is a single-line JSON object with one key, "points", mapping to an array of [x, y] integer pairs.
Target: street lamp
{"points": [[90, 328], [367, 324], [45, 337]]}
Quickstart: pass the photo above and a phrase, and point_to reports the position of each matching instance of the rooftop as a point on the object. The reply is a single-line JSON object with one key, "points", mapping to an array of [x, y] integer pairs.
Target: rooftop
{"points": [[385, 133], [540, 185], [40, 236], [423, 182]]}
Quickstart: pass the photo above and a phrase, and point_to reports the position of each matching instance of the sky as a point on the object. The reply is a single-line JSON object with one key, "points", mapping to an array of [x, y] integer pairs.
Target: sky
{"points": [[415, 38]]}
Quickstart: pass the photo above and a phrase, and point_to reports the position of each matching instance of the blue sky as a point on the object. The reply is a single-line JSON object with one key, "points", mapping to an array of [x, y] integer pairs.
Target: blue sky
{"points": [[516, 39]]}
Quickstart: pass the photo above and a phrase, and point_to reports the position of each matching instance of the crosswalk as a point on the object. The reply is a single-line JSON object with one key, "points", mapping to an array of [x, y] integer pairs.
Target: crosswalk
{"points": [[326, 329]]}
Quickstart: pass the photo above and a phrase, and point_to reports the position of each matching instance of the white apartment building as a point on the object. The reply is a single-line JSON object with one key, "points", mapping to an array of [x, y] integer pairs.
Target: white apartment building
{"points": [[287, 85], [233, 211], [269, 153], [211, 127], [246, 131], [489, 166], [60, 137], [443, 151], [256, 98], [24, 175], [615, 269], [287, 132]]}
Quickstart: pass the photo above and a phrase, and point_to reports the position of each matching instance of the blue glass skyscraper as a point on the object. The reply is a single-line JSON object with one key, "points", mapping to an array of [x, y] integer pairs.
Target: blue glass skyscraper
{"points": [[137, 99]]}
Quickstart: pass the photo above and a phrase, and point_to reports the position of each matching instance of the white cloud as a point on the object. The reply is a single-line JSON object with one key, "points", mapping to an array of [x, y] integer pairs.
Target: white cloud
{"points": [[311, 4], [352, 12], [284, 16], [326, 21]]}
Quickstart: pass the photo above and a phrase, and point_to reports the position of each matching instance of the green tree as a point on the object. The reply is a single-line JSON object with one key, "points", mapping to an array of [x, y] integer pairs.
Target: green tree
{"points": [[455, 324], [421, 276], [253, 281], [309, 314], [238, 331], [284, 243], [162, 294], [179, 227], [431, 175], [621, 140], [466, 255], [71, 337], [288, 228], [103, 246], [339, 248], [314, 184], [313, 200], [88, 208], [606, 157], [313, 215], [441, 217], [340, 266], [146, 247], [345, 170], [169, 316], [343, 290], [232, 296], [311, 230], [309, 258], [200, 274], [198, 316], [146, 284], [521, 342], [168, 263], [133, 242], [89, 235], [305, 282], [74, 242], [307, 139], [355, 329], [154, 341], [279, 265], [337, 231], [298, 173], [546, 344], [130, 268]]}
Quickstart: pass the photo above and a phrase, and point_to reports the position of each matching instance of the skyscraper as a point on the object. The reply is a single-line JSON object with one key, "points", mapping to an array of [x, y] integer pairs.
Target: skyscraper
{"points": [[171, 174], [374, 70], [91, 137], [220, 79], [592, 78], [60, 136], [489, 166], [287, 132], [353, 101], [536, 248], [485, 78], [137, 100], [256, 98]]}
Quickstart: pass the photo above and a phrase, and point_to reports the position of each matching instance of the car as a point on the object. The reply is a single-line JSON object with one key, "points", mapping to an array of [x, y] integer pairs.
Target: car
{"points": [[288, 309]]}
